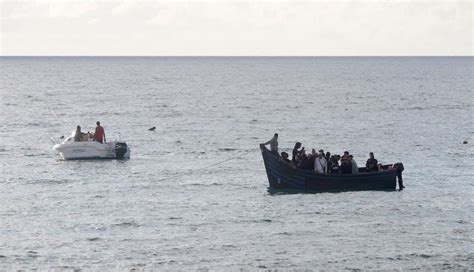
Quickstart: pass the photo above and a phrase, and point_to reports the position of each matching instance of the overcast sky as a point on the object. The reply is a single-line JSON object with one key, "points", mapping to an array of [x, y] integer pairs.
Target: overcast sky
{"points": [[237, 28]]}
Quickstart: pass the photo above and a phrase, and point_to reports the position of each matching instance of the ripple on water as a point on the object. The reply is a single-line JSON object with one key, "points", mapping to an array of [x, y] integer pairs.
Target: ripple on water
{"points": [[126, 224], [226, 149], [51, 181]]}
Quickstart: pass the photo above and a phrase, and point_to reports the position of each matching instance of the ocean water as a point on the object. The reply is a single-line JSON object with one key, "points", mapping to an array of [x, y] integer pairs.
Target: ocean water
{"points": [[161, 210]]}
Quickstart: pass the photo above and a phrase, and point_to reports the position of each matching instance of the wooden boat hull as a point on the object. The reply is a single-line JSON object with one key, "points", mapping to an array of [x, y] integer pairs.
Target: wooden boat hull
{"points": [[282, 176]]}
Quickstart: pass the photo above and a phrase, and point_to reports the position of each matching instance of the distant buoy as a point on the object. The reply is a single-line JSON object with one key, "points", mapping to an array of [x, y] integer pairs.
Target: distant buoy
{"points": [[152, 129], [465, 142]]}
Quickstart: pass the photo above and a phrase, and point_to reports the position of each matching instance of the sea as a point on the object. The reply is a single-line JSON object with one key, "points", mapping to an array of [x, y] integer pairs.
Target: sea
{"points": [[194, 195]]}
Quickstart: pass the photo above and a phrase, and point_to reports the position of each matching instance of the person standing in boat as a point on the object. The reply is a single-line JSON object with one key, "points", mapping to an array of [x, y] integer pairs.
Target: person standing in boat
{"points": [[372, 163], [273, 144], [296, 152], [99, 134], [320, 164]]}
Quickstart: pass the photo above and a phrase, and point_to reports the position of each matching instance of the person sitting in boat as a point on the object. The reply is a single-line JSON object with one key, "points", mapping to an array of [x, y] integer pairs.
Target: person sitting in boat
{"points": [[355, 168], [296, 152], [345, 157], [307, 162], [329, 160], [99, 134], [334, 165], [346, 165], [320, 164], [273, 144], [372, 163], [301, 156], [285, 159], [78, 135], [328, 157], [311, 158], [301, 160]]}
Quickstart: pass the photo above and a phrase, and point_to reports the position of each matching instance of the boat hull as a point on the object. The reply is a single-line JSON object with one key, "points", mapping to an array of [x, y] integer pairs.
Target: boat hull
{"points": [[91, 150], [282, 176]]}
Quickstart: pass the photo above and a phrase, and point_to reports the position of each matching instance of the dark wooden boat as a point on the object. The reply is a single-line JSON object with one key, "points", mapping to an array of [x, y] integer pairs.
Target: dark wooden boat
{"points": [[282, 176]]}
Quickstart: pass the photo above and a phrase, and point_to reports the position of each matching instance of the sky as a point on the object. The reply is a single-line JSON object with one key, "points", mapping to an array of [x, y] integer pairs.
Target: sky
{"points": [[236, 28]]}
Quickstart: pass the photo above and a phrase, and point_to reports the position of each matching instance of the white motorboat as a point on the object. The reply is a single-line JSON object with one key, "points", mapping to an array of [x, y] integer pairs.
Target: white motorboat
{"points": [[89, 149]]}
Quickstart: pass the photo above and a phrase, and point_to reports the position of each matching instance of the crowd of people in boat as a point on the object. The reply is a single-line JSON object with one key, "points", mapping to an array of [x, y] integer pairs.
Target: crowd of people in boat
{"points": [[98, 135], [320, 162]]}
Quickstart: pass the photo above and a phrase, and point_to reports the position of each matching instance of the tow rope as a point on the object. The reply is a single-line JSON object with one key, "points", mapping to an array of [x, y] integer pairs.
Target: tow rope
{"points": [[205, 167]]}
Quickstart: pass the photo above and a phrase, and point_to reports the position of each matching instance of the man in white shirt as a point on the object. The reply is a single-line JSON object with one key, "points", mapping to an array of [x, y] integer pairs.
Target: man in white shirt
{"points": [[355, 168], [320, 164]]}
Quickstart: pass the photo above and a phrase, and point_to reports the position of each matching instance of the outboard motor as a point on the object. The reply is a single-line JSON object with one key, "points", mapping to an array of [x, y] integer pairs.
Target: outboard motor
{"points": [[400, 168], [120, 150]]}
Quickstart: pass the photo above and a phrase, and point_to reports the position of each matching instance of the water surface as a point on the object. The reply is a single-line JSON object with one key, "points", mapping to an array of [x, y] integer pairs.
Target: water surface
{"points": [[145, 213]]}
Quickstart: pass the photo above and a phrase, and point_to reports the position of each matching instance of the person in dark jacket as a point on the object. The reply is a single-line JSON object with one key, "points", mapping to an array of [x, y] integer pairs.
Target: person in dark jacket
{"points": [[296, 152], [372, 163], [346, 164], [328, 160], [284, 156], [302, 159], [334, 167], [308, 162]]}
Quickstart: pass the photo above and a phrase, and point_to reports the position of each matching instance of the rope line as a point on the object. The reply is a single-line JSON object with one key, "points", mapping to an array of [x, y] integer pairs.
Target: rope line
{"points": [[202, 168]]}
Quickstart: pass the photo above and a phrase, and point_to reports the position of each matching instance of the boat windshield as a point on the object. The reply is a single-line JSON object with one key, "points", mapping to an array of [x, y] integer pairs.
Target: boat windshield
{"points": [[70, 139]]}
